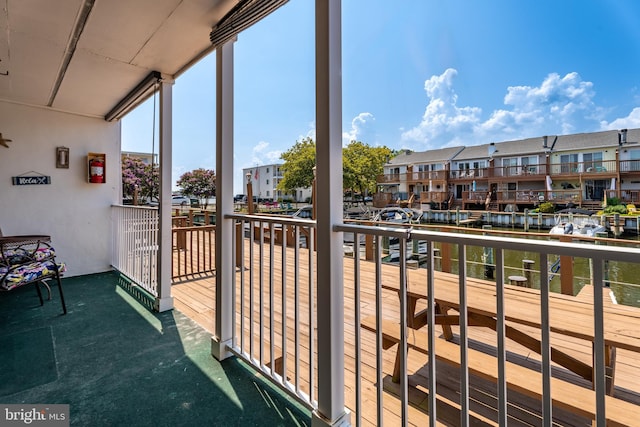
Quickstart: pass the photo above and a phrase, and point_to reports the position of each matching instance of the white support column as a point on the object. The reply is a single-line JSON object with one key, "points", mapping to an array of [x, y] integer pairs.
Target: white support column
{"points": [[330, 303], [164, 300], [225, 269]]}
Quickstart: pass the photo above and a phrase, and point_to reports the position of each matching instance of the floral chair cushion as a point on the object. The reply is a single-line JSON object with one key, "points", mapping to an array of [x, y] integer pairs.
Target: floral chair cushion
{"points": [[20, 266]]}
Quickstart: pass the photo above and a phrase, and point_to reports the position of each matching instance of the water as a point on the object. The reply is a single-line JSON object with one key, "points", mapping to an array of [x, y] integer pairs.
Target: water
{"points": [[624, 278]]}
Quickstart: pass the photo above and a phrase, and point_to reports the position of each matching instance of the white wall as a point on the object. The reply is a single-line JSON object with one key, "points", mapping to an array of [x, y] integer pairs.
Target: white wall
{"points": [[75, 213]]}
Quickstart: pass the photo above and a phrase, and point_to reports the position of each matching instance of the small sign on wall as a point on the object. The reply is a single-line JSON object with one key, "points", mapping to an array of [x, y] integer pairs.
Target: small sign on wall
{"points": [[31, 180]]}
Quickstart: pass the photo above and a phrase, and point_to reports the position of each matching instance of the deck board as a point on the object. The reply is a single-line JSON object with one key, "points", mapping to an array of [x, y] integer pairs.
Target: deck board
{"points": [[195, 298]]}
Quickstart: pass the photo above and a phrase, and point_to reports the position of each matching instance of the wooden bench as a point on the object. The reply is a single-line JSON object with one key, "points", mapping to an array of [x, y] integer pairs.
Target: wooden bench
{"points": [[574, 398]]}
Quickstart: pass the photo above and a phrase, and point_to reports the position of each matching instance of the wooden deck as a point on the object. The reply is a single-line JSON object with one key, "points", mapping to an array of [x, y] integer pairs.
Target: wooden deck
{"points": [[196, 299]]}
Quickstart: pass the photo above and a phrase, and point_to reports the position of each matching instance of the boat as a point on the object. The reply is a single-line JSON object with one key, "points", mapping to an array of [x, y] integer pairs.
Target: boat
{"points": [[583, 225], [398, 215]]}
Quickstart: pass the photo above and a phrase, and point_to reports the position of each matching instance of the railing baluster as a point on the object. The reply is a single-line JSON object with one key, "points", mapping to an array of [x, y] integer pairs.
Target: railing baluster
{"points": [[500, 333], [464, 336], [599, 373], [272, 287], [547, 415], [404, 386], [296, 279], [261, 293], [358, 343], [284, 303], [379, 373]]}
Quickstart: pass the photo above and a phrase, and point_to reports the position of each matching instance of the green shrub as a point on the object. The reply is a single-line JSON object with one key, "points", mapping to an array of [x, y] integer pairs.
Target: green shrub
{"points": [[615, 209], [613, 201], [546, 207]]}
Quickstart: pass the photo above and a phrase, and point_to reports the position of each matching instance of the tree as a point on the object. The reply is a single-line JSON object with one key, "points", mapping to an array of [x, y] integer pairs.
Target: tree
{"points": [[299, 162], [141, 176], [361, 165], [199, 183]]}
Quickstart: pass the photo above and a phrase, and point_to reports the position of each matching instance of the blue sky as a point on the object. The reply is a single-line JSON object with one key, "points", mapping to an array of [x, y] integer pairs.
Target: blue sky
{"points": [[418, 74]]}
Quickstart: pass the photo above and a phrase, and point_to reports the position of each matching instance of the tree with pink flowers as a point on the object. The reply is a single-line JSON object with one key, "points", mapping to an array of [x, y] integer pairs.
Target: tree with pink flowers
{"points": [[141, 177], [199, 183]]}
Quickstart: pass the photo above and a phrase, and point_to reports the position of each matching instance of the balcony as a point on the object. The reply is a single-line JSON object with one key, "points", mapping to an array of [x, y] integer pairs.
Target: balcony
{"points": [[277, 302], [593, 168], [521, 171], [469, 174]]}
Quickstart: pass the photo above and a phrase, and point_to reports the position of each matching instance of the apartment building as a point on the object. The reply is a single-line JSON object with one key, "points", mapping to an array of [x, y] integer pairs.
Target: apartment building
{"points": [[264, 180], [578, 169]]}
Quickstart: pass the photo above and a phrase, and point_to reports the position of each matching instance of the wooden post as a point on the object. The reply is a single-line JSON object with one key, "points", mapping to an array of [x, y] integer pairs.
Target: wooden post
{"points": [[539, 220], [239, 240], [249, 195], [437, 259], [566, 270], [368, 247], [526, 220], [446, 257], [458, 216], [527, 269]]}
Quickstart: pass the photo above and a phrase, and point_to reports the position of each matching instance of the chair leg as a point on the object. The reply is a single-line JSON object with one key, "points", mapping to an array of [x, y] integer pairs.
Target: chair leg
{"points": [[64, 306], [39, 293]]}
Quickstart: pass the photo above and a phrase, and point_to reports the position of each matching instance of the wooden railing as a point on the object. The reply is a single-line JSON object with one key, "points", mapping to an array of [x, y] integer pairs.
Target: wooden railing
{"points": [[470, 174], [598, 167], [193, 251], [520, 171]]}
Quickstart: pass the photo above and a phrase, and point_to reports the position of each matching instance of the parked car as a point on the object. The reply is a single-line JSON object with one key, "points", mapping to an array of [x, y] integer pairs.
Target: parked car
{"points": [[239, 198], [177, 200]]}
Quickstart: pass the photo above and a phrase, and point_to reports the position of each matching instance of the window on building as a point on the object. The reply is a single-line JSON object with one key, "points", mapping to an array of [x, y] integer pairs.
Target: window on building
{"points": [[569, 163], [510, 166], [634, 156], [267, 181], [267, 170], [592, 160]]}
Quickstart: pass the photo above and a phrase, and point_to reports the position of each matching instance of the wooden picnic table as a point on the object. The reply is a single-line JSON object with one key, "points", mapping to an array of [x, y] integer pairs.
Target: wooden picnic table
{"points": [[568, 315]]}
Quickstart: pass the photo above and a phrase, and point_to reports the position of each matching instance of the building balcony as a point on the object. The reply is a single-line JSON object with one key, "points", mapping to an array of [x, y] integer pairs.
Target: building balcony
{"points": [[594, 168], [469, 174]]}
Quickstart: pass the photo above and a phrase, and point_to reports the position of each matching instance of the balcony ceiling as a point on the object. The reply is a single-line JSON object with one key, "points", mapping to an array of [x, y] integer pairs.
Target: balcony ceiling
{"points": [[120, 43]]}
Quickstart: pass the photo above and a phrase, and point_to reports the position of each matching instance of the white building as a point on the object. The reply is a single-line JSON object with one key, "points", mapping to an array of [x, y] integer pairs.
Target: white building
{"points": [[145, 157], [265, 179]]}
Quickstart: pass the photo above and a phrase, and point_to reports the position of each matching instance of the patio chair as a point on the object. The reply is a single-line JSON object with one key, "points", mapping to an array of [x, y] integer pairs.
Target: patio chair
{"points": [[29, 261]]}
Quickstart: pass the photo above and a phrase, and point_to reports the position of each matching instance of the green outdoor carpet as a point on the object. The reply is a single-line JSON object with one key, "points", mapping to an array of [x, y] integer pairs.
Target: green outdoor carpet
{"points": [[118, 364], [28, 360]]}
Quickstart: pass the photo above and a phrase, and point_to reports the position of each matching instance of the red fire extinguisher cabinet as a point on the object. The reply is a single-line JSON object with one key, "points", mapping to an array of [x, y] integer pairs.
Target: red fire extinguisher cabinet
{"points": [[96, 168]]}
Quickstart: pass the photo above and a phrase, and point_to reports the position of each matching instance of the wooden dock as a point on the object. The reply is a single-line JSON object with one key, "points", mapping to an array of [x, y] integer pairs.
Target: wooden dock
{"points": [[195, 298]]}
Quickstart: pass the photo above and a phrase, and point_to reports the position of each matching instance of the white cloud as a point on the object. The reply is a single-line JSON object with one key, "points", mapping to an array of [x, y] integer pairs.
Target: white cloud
{"points": [[559, 105], [361, 130], [311, 132], [559, 102], [631, 121], [443, 122], [261, 155]]}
